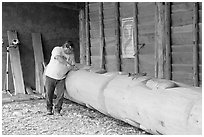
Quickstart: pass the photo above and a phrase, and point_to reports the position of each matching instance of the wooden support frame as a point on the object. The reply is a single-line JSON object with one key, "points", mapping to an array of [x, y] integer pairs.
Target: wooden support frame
{"points": [[118, 58], [168, 40], [159, 40], [195, 47], [102, 38], [88, 57], [135, 31], [82, 37]]}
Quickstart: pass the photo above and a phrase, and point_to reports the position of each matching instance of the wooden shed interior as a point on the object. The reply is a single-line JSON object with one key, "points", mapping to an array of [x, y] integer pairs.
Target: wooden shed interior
{"points": [[161, 39]]}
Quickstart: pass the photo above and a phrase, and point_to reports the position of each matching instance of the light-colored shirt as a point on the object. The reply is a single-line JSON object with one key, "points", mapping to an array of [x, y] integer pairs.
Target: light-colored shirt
{"points": [[56, 69]]}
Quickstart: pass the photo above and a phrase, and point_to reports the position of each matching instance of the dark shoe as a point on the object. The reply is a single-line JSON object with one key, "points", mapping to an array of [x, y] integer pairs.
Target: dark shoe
{"points": [[49, 112]]}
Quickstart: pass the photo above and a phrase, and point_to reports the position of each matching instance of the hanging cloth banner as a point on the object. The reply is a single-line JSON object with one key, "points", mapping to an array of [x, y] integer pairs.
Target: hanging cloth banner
{"points": [[127, 38]]}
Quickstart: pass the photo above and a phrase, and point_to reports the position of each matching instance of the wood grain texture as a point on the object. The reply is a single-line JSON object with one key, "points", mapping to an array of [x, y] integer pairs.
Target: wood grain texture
{"points": [[182, 58], [175, 111], [167, 29], [39, 61], [88, 61], [182, 18], [148, 9], [16, 64], [82, 41], [182, 7]]}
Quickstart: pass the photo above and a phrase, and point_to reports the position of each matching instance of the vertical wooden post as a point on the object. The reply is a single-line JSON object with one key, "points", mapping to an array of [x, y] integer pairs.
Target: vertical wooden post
{"points": [[159, 40], [102, 41], [135, 31], [195, 47], [88, 58], [81, 37], [156, 45], [168, 40], [117, 14]]}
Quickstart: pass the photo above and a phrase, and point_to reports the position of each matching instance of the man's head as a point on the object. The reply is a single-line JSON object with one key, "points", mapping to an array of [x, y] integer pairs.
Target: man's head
{"points": [[68, 47]]}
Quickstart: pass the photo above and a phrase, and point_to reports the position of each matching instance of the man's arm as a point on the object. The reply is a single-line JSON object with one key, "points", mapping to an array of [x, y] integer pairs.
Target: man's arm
{"points": [[62, 60]]}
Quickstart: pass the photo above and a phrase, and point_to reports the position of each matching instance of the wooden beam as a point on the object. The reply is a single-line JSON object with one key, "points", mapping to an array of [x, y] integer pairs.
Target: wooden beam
{"points": [[135, 31], [82, 37], [195, 47], [39, 61], [159, 40], [168, 40], [15, 63], [88, 58], [155, 105], [117, 14], [102, 41]]}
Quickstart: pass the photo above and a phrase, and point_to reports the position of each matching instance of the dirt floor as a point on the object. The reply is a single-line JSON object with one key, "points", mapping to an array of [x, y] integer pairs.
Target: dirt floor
{"points": [[26, 115]]}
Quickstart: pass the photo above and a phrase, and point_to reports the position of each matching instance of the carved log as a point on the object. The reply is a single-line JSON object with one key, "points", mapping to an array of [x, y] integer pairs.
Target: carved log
{"points": [[156, 105]]}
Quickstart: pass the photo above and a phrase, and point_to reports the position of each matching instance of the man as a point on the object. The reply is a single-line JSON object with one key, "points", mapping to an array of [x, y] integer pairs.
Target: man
{"points": [[61, 62]]}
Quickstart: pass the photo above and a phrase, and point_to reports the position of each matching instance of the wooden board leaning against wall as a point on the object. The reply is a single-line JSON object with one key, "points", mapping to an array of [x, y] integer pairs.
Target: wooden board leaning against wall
{"points": [[159, 30]]}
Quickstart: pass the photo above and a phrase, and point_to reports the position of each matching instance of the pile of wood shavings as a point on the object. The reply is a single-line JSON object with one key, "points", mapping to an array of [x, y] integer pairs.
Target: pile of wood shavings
{"points": [[29, 118]]}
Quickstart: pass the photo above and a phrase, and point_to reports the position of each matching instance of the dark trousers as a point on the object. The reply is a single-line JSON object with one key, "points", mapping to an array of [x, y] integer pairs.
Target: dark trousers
{"points": [[50, 86]]}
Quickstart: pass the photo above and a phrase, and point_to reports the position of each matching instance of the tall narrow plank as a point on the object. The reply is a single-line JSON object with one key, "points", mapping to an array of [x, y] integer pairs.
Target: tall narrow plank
{"points": [[136, 59], [159, 40], [88, 58], [168, 40], [117, 15], [195, 47], [39, 60], [82, 37], [15, 64], [102, 41], [156, 46]]}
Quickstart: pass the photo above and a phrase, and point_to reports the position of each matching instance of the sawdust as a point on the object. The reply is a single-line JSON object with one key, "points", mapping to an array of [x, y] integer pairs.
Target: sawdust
{"points": [[28, 118]]}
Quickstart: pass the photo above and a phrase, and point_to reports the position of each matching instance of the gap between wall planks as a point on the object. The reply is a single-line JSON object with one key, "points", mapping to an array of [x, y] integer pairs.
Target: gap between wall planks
{"points": [[82, 37], [195, 46], [117, 14], [168, 40], [15, 64], [88, 57], [136, 59], [102, 38], [39, 62]]}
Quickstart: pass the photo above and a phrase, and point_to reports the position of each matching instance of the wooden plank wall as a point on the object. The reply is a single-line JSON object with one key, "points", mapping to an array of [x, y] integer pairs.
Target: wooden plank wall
{"points": [[126, 11], [180, 43], [146, 32], [94, 34]]}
